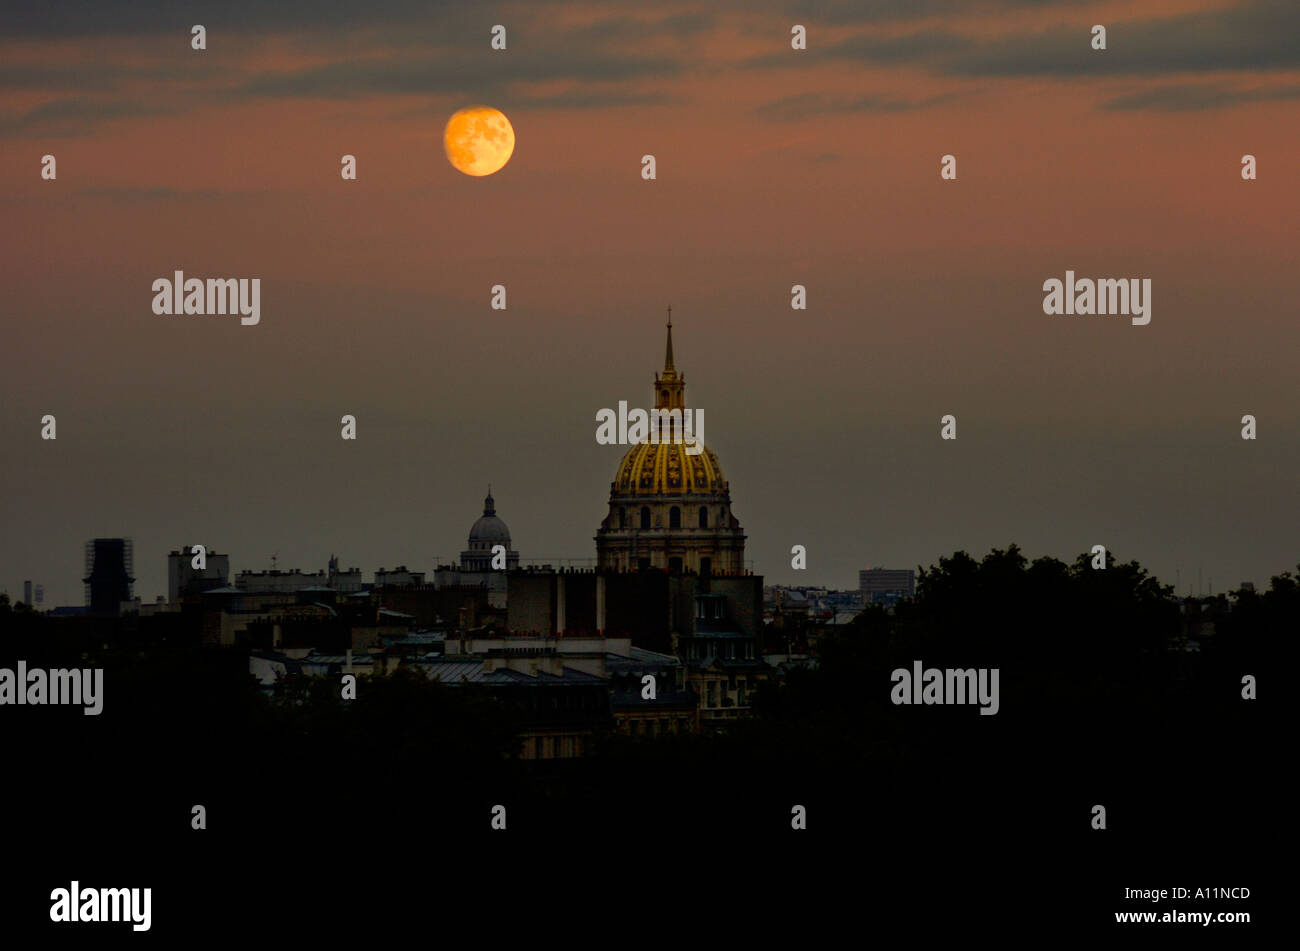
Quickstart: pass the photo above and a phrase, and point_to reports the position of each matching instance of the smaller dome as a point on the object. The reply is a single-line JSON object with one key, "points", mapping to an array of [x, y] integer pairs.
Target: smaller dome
{"points": [[489, 528]]}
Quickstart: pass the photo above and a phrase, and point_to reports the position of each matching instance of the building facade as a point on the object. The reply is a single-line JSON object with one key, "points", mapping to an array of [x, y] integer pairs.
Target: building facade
{"points": [[876, 583], [276, 581], [183, 578], [398, 577]]}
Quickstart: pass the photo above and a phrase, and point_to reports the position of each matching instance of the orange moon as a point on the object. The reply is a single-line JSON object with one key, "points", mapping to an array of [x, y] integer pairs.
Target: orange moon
{"points": [[479, 140]]}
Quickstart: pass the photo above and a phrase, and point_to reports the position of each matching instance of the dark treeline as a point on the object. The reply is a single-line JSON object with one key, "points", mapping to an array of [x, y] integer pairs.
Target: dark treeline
{"points": [[1098, 695], [1102, 699], [1094, 672]]}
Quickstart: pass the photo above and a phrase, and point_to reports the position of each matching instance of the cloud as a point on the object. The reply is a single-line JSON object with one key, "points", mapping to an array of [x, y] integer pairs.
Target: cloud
{"points": [[807, 105], [1200, 96], [607, 51], [48, 78], [413, 48], [67, 18], [453, 74], [633, 29], [589, 66], [1253, 35], [76, 116], [107, 77], [813, 13], [64, 18], [595, 99], [443, 19], [130, 194], [1256, 35], [917, 47]]}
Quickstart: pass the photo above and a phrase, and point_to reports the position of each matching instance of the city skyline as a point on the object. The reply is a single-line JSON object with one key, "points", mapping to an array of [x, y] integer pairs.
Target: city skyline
{"points": [[1198, 586]]}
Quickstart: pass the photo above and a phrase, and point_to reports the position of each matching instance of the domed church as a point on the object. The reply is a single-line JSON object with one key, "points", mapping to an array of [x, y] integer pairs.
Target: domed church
{"points": [[486, 533], [668, 509]]}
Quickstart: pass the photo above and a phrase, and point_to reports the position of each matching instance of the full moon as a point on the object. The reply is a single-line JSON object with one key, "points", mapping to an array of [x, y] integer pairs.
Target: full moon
{"points": [[478, 140]]}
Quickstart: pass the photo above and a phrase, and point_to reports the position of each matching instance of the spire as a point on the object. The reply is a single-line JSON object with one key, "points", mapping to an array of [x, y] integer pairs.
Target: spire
{"points": [[670, 389], [668, 357], [489, 504]]}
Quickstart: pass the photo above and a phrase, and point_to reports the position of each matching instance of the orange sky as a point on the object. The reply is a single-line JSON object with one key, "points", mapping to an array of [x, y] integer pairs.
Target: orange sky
{"points": [[775, 167]]}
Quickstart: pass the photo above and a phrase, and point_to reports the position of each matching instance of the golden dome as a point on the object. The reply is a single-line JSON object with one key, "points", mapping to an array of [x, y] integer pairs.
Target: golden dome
{"points": [[668, 469]]}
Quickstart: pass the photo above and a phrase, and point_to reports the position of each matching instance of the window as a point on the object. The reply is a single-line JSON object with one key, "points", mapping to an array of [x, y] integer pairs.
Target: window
{"points": [[645, 516], [674, 517], [622, 518], [675, 565], [706, 563], [704, 517]]}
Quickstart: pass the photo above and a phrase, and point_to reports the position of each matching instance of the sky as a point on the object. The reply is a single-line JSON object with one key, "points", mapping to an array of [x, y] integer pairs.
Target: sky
{"points": [[774, 167]]}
